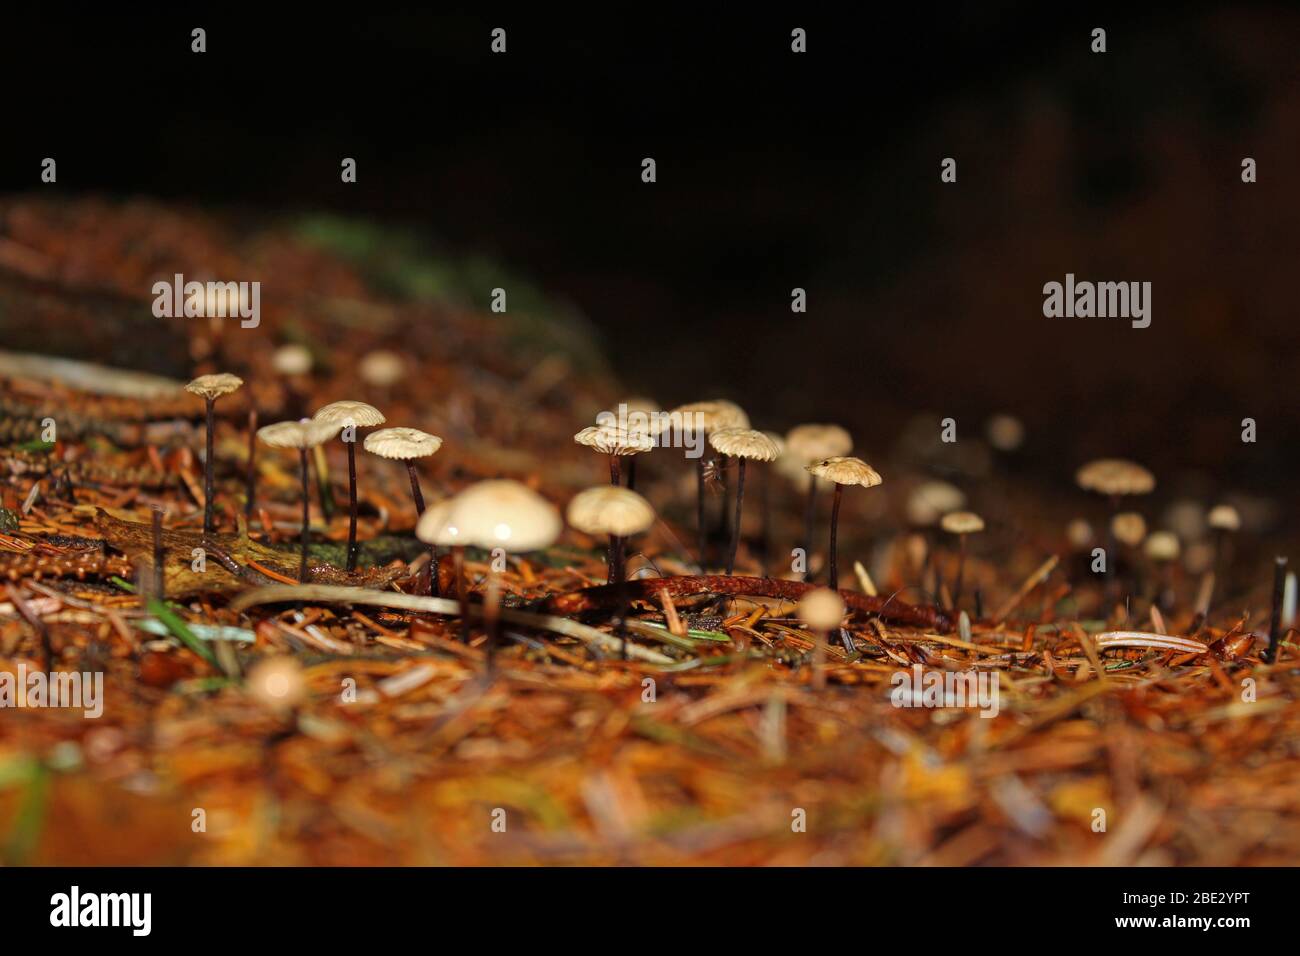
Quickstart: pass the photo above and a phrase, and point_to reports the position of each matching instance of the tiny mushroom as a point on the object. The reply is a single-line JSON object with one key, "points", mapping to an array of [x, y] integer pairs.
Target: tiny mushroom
{"points": [[1224, 521], [616, 443], [407, 445], [616, 512], [743, 444], [698, 420], [931, 500], [804, 445], [210, 388], [1115, 478], [1129, 528], [350, 416], [961, 523], [821, 610], [1162, 548], [381, 368], [498, 513], [277, 683], [301, 435], [842, 471]]}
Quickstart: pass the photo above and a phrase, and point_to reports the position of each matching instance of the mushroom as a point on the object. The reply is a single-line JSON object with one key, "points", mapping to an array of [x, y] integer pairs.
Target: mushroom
{"points": [[277, 683], [842, 471], [961, 523], [641, 415], [210, 388], [765, 504], [822, 611], [350, 415], [381, 369], [302, 435], [616, 443], [1162, 549], [804, 445], [498, 513], [1224, 521], [1115, 478], [434, 530], [617, 512], [706, 417], [743, 444], [406, 445]]}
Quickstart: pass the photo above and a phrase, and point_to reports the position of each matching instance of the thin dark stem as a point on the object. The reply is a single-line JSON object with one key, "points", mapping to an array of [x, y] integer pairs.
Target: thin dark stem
{"points": [[418, 497], [724, 515], [615, 559], [306, 526], [833, 582], [631, 473], [735, 530], [158, 586], [207, 472], [615, 471], [809, 522], [699, 509], [1275, 622], [458, 565], [961, 571], [352, 506], [250, 479]]}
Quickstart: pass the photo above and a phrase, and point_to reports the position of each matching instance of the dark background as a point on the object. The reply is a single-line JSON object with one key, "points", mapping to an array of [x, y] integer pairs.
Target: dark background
{"points": [[775, 170]]}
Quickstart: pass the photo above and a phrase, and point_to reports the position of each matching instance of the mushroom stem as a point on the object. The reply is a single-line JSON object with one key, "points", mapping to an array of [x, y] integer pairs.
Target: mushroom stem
{"points": [[352, 506], [306, 528], [809, 520], [961, 571], [735, 530], [158, 586], [208, 525], [833, 581], [615, 559], [1275, 621], [615, 475], [699, 510], [250, 478], [418, 497], [458, 564], [631, 473]]}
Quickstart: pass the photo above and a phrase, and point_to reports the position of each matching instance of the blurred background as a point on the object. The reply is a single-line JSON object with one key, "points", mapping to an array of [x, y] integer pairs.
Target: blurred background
{"points": [[775, 170]]}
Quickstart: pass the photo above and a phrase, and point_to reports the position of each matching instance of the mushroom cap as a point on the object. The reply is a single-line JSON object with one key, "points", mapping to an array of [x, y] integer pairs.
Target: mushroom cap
{"points": [[348, 412], [292, 359], [306, 433], [381, 368], [639, 403], [1162, 546], [606, 509], [1005, 432], [402, 443], [432, 528], [277, 682], [779, 441], [1224, 518], [1115, 476], [815, 442], [821, 609], [744, 443], [1129, 528], [1079, 533], [214, 386], [498, 513], [612, 440], [962, 522], [931, 500], [845, 471], [714, 415]]}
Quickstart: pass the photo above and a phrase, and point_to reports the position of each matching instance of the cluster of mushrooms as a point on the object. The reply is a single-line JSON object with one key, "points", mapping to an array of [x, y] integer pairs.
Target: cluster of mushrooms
{"points": [[510, 516]]}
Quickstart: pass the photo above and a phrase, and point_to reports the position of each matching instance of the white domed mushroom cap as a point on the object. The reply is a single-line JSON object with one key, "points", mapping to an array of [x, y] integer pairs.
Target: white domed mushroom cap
{"points": [[306, 433], [606, 509], [402, 444], [214, 386], [1162, 546], [712, 415], [1129, 528], [277, 682], [1115, 476], [931, 500], [815, 442], [744, 443], [381, 368], [612, 440], [962, 522], [501, 514], [846, 471], [821, 609], [433, 527], [1224, 518], [292, 359], [348, 412]]}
